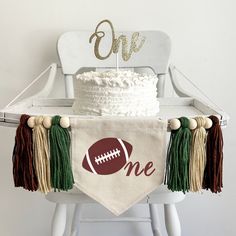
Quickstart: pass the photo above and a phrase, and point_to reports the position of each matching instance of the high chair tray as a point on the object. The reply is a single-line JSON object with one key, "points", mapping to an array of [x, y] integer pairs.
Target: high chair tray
{"points": [[169, 108]]}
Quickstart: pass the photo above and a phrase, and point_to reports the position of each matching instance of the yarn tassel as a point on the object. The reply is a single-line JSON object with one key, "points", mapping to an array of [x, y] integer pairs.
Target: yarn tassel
{"points": [[177, 166], [171, 174], [41, 155], [213, 173], [61, 170], [198, 156], [23, 166]]}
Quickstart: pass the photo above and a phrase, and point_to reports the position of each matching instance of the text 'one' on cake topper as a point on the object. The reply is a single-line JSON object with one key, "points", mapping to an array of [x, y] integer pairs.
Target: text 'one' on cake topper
{"points": [[127, 49]]}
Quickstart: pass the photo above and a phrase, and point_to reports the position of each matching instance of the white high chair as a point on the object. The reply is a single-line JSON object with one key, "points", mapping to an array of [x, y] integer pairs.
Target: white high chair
{"points": [[75, 54]]}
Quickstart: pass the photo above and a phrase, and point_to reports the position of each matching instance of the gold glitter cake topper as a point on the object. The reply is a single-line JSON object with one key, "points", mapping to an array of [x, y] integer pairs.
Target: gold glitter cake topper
{"points": [[116, 42]]}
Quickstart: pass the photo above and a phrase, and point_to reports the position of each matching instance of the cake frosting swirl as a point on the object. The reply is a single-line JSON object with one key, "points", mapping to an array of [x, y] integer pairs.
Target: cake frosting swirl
{"points": [[115, 93]]}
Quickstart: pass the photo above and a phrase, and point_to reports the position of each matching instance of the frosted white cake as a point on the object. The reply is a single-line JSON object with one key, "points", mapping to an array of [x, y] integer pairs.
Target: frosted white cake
{"points": [[115, 93]]}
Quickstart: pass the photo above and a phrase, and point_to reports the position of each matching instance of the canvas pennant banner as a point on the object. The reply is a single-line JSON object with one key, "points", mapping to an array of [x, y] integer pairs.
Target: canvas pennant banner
{"points": [[118, 162]]}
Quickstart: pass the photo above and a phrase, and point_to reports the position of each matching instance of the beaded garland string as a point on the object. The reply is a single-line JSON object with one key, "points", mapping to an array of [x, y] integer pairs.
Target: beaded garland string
{"points": [[32, 154], [205, 151], [194, 158]]}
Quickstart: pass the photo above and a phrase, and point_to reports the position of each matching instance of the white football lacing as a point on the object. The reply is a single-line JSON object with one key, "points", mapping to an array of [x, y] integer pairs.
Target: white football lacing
{"points": [[107, 156]]}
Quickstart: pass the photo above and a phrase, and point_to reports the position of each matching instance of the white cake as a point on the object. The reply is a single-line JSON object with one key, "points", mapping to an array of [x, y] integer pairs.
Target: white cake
{"points": [[115, 93]]}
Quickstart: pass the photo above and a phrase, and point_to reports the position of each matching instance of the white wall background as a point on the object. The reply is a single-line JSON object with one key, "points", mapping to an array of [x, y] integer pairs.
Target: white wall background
{"points": [[203, 33]]}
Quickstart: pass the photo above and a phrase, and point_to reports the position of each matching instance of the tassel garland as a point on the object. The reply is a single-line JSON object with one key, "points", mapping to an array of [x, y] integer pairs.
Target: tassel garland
{"points": [[214, 166], [195, 159], [61, 171], [23, 166], [41, 155]]}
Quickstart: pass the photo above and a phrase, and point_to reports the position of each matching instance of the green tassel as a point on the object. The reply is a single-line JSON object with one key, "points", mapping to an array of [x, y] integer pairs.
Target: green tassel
{"points": [[172, 175], [178, 154], [60, 163]]}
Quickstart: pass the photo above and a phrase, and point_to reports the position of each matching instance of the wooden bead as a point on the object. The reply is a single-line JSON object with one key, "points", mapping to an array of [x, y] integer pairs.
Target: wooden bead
{"points": [[192, 124], [31, 122], [208, 123], [65, 122], [47, 122], [175, 124]]}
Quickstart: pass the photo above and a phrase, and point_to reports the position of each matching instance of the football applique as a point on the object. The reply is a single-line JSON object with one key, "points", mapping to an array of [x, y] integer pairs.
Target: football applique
{"points": [[107, 156]]}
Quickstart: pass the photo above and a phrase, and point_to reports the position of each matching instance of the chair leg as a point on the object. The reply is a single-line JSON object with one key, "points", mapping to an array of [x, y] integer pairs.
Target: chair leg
{"points": [[154, 220], [59, 220], [76, 220], [172, 220]]}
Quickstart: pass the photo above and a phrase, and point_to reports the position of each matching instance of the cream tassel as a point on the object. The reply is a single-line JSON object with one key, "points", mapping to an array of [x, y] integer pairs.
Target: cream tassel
{"points": [[41, 155], [198, 156]]}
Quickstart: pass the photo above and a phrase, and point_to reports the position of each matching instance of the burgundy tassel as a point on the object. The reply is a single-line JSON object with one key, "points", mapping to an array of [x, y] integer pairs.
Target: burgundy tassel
{"points": [[23, 166], [214, 167]]}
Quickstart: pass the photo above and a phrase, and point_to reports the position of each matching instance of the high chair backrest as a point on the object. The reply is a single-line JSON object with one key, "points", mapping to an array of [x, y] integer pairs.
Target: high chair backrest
{"points": [[76, 53]]}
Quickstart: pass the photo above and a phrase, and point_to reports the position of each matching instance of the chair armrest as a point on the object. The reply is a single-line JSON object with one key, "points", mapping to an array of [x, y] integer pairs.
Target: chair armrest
{"points": [[177, 87], [199, 103], [45, 91]]}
